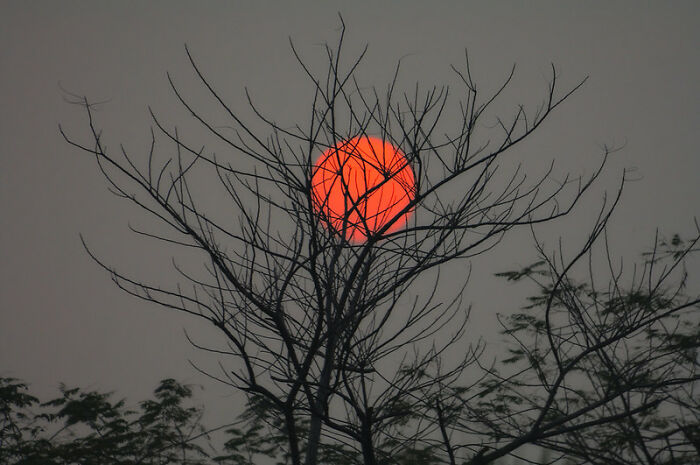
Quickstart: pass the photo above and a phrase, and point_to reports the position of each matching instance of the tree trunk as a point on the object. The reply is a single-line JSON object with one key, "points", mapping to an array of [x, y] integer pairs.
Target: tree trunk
{"points": [[317, 411], [292, 437], [367, 446]]}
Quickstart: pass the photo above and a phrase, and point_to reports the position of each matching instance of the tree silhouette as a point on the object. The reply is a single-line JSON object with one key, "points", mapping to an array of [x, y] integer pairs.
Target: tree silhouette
{"points": [[337, 348], [87, 427]]}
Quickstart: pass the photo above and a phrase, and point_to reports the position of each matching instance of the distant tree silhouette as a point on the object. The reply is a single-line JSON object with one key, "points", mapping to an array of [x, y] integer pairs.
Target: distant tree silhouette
{"points": [[87, 427], [346, 349]]}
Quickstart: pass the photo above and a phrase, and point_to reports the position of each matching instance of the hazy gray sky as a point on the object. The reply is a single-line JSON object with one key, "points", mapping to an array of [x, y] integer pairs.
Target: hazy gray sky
{"points": [[61, 319]]}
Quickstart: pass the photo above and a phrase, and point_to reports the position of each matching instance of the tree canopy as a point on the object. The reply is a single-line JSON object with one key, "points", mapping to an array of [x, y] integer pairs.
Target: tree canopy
{"points": [[344, 348]]}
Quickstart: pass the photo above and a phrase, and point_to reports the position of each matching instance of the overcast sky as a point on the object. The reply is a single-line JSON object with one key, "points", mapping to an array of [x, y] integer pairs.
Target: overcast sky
{"points": [[61, 318]]}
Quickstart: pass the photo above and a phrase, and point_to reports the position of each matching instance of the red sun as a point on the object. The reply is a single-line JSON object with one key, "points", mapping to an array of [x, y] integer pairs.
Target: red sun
{"points": [[361, 185]]}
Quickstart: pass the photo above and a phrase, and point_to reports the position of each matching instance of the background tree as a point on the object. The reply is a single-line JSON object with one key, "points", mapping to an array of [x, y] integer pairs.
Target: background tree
{"points": [[603, 369], [87, 427], [336, 350]]}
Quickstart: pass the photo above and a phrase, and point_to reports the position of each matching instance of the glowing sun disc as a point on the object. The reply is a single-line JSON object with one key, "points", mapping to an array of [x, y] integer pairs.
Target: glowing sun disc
{"points": [[360, 185]]}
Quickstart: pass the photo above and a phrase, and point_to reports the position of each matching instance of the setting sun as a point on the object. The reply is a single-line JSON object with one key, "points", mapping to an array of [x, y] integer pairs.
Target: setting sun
{"points": [[361, 185]]}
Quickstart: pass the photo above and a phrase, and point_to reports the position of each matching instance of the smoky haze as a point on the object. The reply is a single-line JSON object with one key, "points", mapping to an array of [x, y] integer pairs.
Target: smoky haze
{"points": [[61, 319]]}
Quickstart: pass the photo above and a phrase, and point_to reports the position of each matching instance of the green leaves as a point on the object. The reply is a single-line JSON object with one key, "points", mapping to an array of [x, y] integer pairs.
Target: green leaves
{"points": [[245, 444], [15, 418], [536, 268], [89, 428]]}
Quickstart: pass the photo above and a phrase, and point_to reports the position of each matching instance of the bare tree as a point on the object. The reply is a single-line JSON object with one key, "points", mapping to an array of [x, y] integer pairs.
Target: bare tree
{"points": [[333, 349]]}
